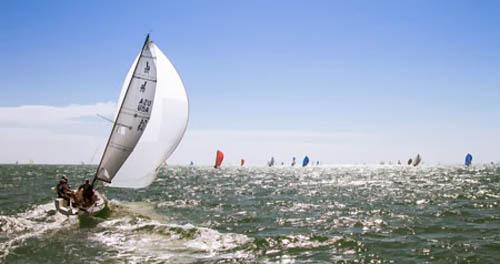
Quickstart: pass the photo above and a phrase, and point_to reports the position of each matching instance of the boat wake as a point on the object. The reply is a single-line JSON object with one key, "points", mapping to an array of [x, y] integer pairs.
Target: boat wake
{"points": [[136, 233], [133, 233], [39, 220]]}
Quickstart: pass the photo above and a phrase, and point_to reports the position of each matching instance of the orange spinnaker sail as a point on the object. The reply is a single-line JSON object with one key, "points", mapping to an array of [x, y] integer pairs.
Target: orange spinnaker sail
{"points": [[218, 159], [242, 162]]}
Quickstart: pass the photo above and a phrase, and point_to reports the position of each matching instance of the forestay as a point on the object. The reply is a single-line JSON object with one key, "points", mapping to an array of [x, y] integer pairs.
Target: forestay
{"points": [[133, 115]]}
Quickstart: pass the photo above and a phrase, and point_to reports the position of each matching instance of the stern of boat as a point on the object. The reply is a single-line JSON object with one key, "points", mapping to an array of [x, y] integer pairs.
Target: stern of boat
{"points": [[63, 207]]}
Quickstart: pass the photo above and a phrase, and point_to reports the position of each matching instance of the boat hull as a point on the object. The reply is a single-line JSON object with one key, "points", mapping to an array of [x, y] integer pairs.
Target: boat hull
{"points": [[63, 207]]}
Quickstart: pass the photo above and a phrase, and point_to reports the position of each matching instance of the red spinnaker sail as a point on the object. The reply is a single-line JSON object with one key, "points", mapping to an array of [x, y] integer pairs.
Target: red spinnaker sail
{"points": [[218, 159], [242, 162]]}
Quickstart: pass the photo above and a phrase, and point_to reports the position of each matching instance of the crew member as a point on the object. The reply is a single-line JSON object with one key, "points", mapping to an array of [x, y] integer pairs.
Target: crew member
{"points": [[63, 189], [88, 192]]}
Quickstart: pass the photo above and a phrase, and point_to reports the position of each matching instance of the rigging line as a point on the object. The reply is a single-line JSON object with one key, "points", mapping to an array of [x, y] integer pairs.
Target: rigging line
{"points": [[113, 122]]}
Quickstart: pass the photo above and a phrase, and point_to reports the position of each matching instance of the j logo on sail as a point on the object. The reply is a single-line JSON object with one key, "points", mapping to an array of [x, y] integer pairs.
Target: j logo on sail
{"points": [[143, 87], [146, 69]]}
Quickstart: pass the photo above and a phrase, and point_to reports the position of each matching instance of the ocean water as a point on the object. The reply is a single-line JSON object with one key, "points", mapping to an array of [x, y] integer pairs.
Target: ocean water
{"points": [[350, 214]]}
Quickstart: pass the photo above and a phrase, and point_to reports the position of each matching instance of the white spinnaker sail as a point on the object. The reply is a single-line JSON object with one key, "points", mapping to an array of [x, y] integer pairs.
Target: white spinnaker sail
{"points": [[135, 108], [165, 128]]}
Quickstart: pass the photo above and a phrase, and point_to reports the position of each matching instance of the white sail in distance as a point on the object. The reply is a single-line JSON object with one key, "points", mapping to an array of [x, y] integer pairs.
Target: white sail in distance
{"points": [[165, 129], [417, 160], [132, 118]]}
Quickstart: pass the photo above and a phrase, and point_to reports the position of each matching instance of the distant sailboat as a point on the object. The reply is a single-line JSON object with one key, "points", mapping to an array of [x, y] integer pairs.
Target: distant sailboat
{"points": [[293, 161], [417, 160], [410, 161], [219, 157], [242, 162], [271, 162], [150, 122], [468, 159], [305, 161]]}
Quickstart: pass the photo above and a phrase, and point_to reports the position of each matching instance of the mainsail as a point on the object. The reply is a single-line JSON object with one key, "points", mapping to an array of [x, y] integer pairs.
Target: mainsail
{"points": [[132, 117]]}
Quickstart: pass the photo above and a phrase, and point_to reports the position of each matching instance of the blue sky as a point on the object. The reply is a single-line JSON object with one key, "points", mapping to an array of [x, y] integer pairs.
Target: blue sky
{"points": [[399, 70]]}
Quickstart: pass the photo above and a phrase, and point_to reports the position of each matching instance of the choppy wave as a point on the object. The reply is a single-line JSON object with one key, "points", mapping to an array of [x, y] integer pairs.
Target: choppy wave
{"points": [[134, 233], [288, 215], [147, 236], [39, 220]]}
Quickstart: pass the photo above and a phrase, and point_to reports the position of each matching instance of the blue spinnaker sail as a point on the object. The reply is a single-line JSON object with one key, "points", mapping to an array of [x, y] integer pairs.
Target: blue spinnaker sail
{"points": [[468, 159], [305, 161]]}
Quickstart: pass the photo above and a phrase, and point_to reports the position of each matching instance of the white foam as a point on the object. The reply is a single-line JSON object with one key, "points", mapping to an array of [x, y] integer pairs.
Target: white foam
{"points": [[140, 239], [31, 223]]}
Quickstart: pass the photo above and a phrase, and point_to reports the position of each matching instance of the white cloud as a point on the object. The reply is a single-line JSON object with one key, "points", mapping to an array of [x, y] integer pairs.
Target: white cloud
{"points": [[72, 134], [45, 116], [50, 134]]}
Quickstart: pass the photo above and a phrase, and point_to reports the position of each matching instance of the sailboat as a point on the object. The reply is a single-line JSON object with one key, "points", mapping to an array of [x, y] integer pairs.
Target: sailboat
{"points": [[242, 162], [293, 162], [305, 161], [417, 160], [468, 160], [151, 119], [271, 162], [219, 157]]}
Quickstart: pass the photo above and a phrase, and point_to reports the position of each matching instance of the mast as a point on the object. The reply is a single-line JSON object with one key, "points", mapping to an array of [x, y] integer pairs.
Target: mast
{"points": [[119, 112]]}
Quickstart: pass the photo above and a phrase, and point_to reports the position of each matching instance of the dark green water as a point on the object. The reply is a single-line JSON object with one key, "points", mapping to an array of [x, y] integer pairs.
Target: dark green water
{"points": [[285, 215]]}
